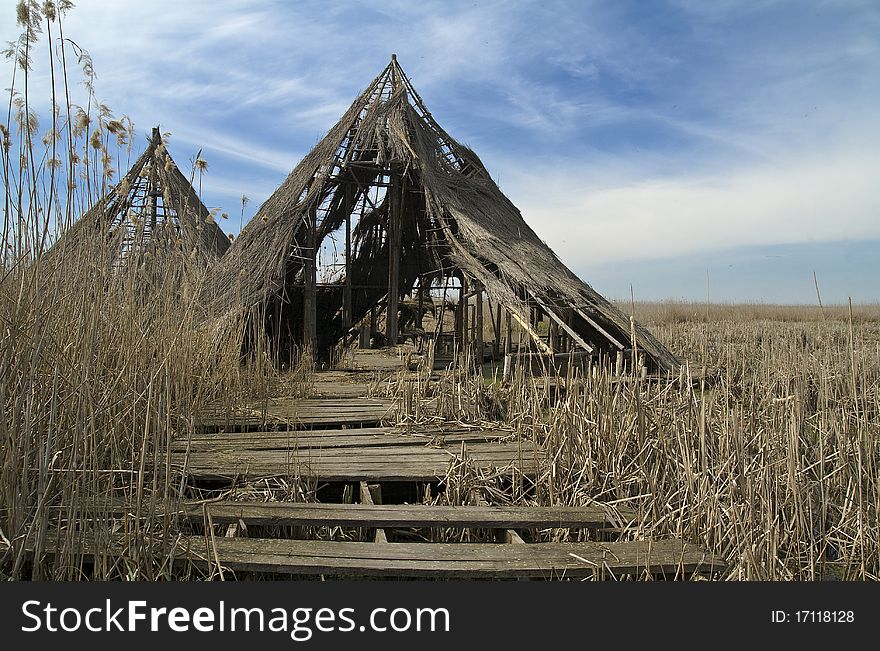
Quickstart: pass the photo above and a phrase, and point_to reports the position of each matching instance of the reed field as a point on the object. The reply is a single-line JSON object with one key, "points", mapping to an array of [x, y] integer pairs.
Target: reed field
{"points": [[764, 449], [769, 460]]}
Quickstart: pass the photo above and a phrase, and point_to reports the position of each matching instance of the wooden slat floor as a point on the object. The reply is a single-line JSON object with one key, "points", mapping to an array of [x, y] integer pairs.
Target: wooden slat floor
{"points": [[339, 436], [350, 454], [299, 413]]}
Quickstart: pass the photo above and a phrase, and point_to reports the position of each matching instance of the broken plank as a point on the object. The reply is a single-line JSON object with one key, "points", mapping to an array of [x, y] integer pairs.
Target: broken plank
{"points": [[460, 560], [415, 516]]}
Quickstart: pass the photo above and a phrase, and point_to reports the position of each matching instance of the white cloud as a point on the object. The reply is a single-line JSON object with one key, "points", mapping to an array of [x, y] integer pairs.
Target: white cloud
{"points": [[758, 132], [829, 197]]}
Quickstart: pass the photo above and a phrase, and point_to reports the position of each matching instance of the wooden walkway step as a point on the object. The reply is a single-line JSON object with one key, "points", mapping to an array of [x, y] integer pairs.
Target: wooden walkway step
{"points": [[405, 515], [454, 560], [299, 413], [374, 454]]}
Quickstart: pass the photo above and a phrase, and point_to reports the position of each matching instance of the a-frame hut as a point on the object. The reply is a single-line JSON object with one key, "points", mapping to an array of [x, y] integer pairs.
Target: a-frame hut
{"points": [[408, 208], [152, 213]]}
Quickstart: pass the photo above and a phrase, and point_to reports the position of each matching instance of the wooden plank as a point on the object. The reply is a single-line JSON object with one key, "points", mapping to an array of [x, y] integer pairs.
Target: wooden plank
{"points": [[459, 560], [598, 328], [366, 453], [309, 280], [525, 326], [326, 420], [672, 558], [298, 439], [341, 472], [353, 471], [389, 434], [407, 515], [367, 493], [394, 234], [562, 324]]}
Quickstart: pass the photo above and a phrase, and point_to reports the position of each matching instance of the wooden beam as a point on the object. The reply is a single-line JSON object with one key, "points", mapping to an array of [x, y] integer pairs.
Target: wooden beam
{"points": [[478, 325], [309, 282], [544, 348], [511, 537], [463, 306], [346, 296], [367, 497], [599, 328], [421, 306], [315, 514], [496, 326], [394, 243], [554, 336], [571, 332], [672, 558]]}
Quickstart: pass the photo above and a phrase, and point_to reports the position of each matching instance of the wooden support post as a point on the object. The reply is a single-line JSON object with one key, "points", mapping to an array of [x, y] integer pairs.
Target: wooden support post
{"points": [[554, 336], [478, 323], [372, 494], [154, 183], [421, 307], [508, 347], [511, 537], [496, 324], [346, 295], [394, 241], [309, 285], [463, 306], [373, 326]]}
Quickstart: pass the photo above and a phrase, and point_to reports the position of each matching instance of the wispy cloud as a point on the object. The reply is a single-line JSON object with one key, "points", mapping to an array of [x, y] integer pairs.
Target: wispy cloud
{"points": [[623, 131]]}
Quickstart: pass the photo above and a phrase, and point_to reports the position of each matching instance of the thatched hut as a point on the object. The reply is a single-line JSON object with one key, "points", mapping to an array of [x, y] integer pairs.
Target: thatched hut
{"points": [[152, 213], [409, 208]]}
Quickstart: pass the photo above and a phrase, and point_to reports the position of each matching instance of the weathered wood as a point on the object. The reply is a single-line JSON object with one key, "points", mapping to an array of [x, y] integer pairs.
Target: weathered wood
{"points": [[421, 306], [598, 328], [294, 413], [496, 325], [478, 323], [531, 332], [458, 560], [336, 438], [395, 228], [463, 313], [370, 496], [346, 296], [342, 469], [561, 322], [402, 515], [309, 281]]}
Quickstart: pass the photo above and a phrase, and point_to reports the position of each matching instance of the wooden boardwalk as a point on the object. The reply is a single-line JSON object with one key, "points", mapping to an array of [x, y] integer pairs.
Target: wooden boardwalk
{"points": [[376, 454], [300, 413], [344, 435]]}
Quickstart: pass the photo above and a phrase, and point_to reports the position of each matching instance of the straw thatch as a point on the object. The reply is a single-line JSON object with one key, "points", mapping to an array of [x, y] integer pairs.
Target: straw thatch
{"points": [[416, 192], [152, 213]]}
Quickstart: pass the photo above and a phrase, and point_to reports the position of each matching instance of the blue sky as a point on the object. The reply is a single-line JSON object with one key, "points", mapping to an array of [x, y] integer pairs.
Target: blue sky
{"points": [[649, 143]]}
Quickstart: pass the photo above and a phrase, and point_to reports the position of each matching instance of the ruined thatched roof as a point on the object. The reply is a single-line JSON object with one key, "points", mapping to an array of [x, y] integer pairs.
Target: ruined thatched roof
{"points": [[152, 211], [453, 215]]}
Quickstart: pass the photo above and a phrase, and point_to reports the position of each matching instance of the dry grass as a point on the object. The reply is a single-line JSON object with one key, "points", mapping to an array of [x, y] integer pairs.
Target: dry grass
{"points": [[773, 466], [101, 365]]}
